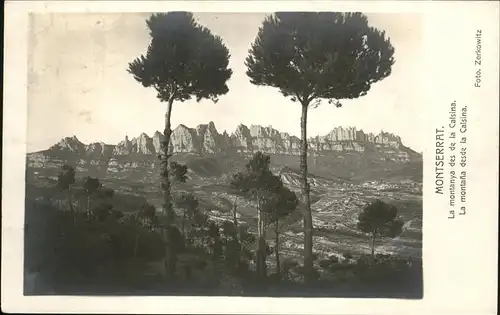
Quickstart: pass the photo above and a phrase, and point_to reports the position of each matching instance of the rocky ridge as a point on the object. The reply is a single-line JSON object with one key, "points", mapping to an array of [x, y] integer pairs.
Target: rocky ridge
{"points": [[139, 155], [205, 139]]}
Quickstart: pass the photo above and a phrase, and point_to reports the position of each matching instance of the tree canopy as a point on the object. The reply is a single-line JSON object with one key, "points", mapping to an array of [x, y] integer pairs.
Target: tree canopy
{"points": [[281, 203], [66, 177], [178, 172], [184, 59], [256, 177], [380, 218], [319, 55], [91, 185]]}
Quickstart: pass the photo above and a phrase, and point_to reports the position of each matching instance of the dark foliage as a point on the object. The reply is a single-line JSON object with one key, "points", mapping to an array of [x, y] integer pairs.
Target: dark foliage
{"points": [[380, 219], [96, 252], [259, 183], [257, 177], [66, 177], [91, 185], [280, 203], [189, 206], [178, 172], [184, 59], [325, 55]]}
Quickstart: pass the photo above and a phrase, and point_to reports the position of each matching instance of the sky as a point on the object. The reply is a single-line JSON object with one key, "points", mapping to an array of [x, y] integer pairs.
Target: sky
{"points": [[78, 83]]}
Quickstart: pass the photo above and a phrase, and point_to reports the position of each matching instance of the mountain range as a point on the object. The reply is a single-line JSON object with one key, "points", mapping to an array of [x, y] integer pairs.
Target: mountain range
{"points": [[205, 139], [343, 146]]}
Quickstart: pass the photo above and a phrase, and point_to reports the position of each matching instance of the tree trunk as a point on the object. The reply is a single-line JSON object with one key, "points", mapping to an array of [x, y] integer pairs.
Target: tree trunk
{"points": [[165, 180], [262, 260], [235, 221], [136, 245], [183, 224], [277, 250], [308, 227], [259, 219], [165, 185], [259, 236], [88, 206], [261, 255], [264, 243], [373, 244], [70, 199]]}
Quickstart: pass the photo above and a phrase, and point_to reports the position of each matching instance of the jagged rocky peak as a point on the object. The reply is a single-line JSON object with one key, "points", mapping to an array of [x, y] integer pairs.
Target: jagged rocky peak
{"points": [[70, 143], [267, 139], [184, 140], [97, 148], [225, 139], [212, 141], [242, 139], [143, 145], [340, 134], [258, 131], [123, 147], [388, 139], [345, 134], [158, 138]]}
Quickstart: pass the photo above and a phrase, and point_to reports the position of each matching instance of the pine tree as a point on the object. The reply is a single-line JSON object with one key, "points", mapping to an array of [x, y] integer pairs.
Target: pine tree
{"points": [[183, 60], [314, 56], [380, 219]]}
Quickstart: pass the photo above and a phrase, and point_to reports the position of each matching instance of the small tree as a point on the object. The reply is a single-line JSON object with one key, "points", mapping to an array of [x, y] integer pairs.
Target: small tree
{"points": [[279, 205], [235, 216], [104, 207], [145, 218], [215, 246], [175, 247], [183, 60], [238, 245], [65, 182], [189, 205], [380, 219], [90, 187], [258, 181], [313, 56], [147, 214], [178, 172]]}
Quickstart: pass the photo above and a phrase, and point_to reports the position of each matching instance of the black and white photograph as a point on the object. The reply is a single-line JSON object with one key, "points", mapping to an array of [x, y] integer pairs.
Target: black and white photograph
{"points": [[283, 176], [263, 154]]}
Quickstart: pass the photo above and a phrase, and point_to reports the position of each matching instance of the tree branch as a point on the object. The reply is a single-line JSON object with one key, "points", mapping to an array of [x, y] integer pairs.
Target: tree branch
{"points": [[299, 98]]}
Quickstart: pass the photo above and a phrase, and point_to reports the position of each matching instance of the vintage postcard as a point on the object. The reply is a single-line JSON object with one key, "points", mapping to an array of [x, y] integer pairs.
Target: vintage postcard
{"points": [[250, 157]]}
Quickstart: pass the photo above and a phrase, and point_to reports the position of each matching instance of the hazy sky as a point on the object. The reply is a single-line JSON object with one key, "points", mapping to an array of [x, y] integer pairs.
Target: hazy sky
{"points": [[78, 83]]}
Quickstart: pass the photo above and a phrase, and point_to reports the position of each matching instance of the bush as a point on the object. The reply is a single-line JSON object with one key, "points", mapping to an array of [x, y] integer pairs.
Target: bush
{"points": [[78, 250]]}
